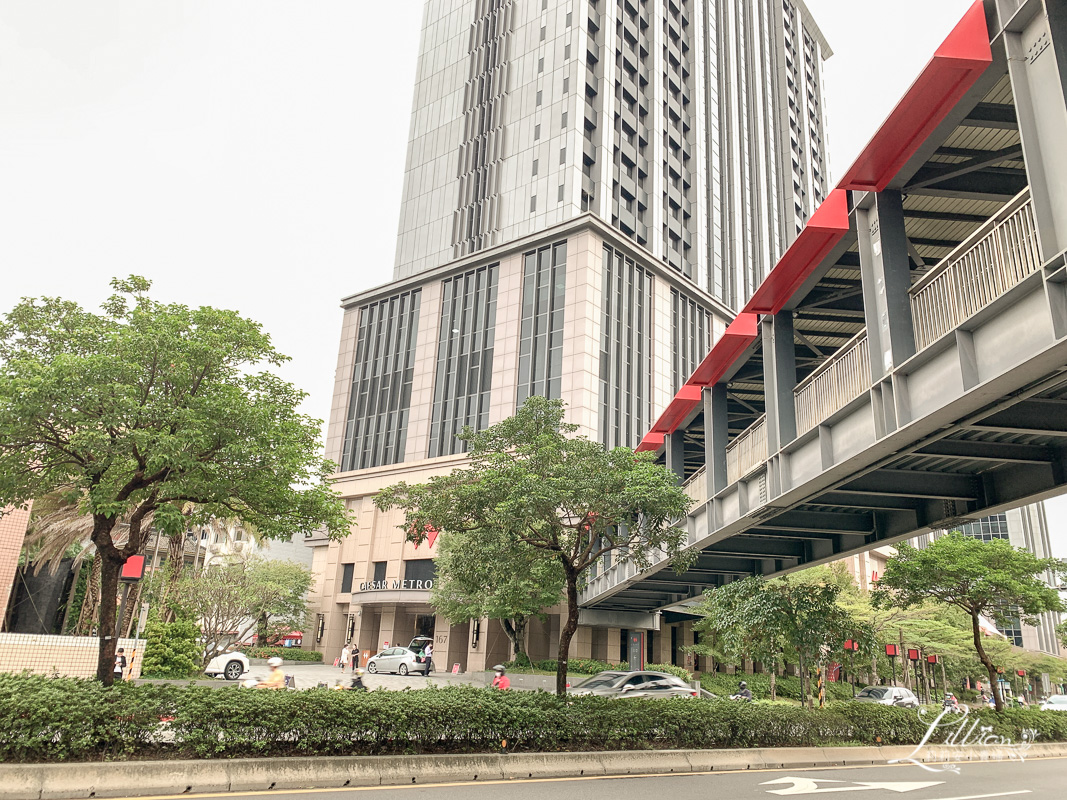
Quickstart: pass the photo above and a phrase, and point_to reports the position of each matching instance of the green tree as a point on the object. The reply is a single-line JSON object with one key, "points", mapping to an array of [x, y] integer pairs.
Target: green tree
{"points": [[532, 482], [991, 579], [1062, 631], [749, 618], [172, 649], [487, 573], [145, 408], [232, 599]]}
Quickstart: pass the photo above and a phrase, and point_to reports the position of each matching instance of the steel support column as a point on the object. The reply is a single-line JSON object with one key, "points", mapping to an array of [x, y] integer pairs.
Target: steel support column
{"points": [[779, 380], [885, 271], [676, 453], [716, 437], [1037, 64]]}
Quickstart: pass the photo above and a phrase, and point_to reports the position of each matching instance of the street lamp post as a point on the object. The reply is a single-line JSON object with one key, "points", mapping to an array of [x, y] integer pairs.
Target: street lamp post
{"points": [[852, 646], [893, 651]]}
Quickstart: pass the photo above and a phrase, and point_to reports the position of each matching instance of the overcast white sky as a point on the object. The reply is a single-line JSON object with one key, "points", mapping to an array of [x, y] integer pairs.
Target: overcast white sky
{"points": [[249, 155]]}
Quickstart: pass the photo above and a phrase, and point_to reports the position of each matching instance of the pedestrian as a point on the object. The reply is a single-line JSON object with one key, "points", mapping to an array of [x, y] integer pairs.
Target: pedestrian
{"points": [[501, 680], [428, 652], [120, 664], [345, 654], [355, 658]]}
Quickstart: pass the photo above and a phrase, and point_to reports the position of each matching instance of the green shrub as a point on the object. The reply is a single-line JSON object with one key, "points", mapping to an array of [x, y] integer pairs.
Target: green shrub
{"points": [[47, 720], [788, 687], [172, 649], [670, 669], [287, 653], [576, 666]]}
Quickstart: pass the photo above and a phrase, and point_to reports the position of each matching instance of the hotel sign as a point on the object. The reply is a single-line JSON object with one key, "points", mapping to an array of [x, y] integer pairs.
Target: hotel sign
{"points": [[396, 585]]}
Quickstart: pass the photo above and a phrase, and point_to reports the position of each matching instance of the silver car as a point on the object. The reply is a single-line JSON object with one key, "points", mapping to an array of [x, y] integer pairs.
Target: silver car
{"points": [[634, 684], [398, 659], [1057, 702], [888, 696]]}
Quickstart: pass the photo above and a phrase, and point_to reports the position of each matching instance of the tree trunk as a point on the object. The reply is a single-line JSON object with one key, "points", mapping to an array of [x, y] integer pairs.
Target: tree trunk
{"points": [[515, 628], [175, 565], [874, 670], [110, 568], [994, 685], [566, 633], [132, 611], [803, 675], [774, 682]]}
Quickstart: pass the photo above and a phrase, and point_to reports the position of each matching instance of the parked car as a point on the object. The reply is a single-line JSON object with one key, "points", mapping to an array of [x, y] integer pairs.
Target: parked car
{"points": [[230, 666], [888, 696], [614, 683], [1056, 702], [398, 659]]}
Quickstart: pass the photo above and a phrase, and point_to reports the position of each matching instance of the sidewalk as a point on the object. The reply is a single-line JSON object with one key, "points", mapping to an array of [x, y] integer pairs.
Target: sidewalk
{"points": [[144, 778]]}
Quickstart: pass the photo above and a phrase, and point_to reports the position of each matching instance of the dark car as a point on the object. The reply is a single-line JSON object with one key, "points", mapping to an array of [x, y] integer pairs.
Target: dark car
{"points": [[614, 683]]}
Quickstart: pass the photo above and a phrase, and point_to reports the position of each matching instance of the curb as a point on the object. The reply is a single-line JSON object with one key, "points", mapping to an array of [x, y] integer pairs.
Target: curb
{"points": [[143, 778]]}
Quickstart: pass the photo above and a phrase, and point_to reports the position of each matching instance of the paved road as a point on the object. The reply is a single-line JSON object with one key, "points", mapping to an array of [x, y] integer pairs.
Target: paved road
{"points": [[1036, 779], [310, 675]]}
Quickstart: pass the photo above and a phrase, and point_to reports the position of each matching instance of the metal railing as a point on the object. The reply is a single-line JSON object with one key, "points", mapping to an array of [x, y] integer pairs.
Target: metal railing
{"points": [[747, 451], [841, 379], [696, 486], [997, 257]]}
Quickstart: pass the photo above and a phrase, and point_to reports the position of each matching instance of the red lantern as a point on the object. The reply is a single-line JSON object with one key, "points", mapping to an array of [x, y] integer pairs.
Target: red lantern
{"points": [[933, 659], [913, 654], [1021, 673], [892, 650], [852, 645]]}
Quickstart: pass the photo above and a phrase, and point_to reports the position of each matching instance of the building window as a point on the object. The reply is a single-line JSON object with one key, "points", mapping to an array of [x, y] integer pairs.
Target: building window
{"points": [[690, 337], [537, 132], [379, 571], [535, 164], [533, 203], [376, 428], [464, 358], [987, 529], [347, 570], [538, 97], [544, 283], [559, 197], [421, 569], [540, 67], [625, 352]]}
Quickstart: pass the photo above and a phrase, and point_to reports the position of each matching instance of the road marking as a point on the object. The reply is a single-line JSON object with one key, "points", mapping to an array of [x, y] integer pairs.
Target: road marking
{"points": [[811, 786], [981, 796], [390, 787]]}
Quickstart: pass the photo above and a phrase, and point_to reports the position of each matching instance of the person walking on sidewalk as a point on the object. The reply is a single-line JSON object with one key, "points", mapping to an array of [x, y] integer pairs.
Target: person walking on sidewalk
{"points": [[345, 654], [428, 652]]}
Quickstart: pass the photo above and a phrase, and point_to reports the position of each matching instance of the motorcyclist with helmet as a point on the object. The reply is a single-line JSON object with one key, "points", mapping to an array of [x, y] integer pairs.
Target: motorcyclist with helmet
{"points": [[742, 693]]}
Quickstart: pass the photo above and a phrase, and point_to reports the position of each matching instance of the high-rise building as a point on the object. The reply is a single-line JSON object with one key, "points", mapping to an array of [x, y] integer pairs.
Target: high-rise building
{"points": [[592, 189], [694, 127]]}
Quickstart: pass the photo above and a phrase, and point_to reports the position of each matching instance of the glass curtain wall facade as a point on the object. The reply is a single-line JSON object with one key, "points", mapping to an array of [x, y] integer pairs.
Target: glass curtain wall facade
{"points": [[376, 428], [625, 351], [544, 293], [464, 358]]}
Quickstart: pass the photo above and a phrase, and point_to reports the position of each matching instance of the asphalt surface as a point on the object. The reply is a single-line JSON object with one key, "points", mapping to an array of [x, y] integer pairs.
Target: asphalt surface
{"points": [[310, 675], [1039, 779]]}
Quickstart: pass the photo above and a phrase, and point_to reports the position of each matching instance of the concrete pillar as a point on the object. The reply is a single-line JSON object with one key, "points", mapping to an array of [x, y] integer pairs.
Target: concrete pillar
{"points": [[600, 644], [367, 630], [539, 645], [885, 271], [455, 651], [582, 643], [476, 653], [1037, 64], [613, 644], [716, 437], [779, 379]]}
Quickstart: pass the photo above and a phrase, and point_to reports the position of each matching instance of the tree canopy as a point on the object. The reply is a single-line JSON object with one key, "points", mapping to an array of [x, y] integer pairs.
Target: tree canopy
{"points": [[147, 407], [486, 573], [533, 482], [983, 579]]}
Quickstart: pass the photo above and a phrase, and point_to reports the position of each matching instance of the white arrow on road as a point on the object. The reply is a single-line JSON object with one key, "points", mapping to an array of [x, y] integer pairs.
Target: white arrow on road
{"points": [[811, 786]]}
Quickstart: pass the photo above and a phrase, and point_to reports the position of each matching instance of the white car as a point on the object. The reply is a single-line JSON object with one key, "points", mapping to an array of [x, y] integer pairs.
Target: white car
{"points": [[888, 696], [1056, 702], [230, 666]]}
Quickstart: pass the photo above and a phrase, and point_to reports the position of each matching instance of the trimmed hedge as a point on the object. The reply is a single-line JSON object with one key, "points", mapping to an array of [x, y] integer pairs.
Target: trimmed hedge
{"points": [[670, 669], [46, 720], [575, 666], [286, 653]]}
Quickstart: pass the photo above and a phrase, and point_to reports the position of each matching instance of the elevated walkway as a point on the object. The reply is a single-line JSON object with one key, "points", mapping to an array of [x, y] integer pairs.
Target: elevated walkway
{"points": [[904, 366]]}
